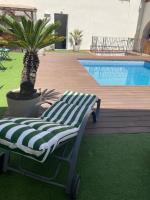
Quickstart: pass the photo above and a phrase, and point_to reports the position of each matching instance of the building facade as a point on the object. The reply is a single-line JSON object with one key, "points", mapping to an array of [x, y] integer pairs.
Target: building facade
{"points": [[111, 18]]}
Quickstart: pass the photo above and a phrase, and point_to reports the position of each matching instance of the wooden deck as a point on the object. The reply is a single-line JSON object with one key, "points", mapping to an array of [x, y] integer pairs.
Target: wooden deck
{"points": [[124, 109]]}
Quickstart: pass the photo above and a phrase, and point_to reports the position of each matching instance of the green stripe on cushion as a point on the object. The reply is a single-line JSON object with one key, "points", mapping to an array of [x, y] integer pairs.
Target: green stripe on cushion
{"points": [[71, 96], [4, 131], [40, 124], [42, 135], [66, 111], [77, 100], [29, 136], [18, 133], [83, 110], [59, 113], [55, 112], [67, 96], [77, 122], [5, 121], [69, 114], [49, 136], [74, 99], [47, 126], [53, 109], [50, 109], [64, 96], [19, 151], [30, 121], [88, 101], [73, 117], [62, 118], [22, 119], [68, 107]]}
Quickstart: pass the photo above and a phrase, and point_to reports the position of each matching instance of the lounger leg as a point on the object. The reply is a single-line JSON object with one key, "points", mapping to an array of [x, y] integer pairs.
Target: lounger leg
{"points": [[98, 104], [72, 172], [94, 117], [73, 179], [95, 113], [2, 156], [6, 160]]}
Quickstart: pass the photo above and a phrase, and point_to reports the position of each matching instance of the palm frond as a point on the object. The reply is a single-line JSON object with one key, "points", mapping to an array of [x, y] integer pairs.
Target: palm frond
{"points": [[50, 40], [31, 35], [48, 30], [48, 96], [19, 43]]}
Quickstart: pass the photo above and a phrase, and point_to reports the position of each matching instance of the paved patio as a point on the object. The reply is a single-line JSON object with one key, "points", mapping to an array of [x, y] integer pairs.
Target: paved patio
{"points": [[124, 109]]}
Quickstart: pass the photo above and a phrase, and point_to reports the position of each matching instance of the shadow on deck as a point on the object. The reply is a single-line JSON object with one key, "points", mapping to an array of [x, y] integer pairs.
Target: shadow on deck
{"points": [[120, 121]]}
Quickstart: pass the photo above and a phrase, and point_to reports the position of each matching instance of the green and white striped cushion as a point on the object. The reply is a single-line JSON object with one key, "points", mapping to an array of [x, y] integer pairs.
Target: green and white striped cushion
{"points": [[70, 97], [67, 114], [36, 123], [34, 141], [77, 98], [70, 109]]}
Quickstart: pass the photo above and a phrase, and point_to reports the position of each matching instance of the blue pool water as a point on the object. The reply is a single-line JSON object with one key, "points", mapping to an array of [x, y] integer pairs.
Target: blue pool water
{"points": [[118, 72]]}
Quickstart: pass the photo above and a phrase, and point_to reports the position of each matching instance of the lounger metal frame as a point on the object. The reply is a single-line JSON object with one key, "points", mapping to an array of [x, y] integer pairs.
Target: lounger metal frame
{"points": [[73, 179]]}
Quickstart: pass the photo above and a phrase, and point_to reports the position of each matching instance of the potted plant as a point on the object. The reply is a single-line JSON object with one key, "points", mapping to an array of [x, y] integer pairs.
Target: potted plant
{"points": [[76, 39], [31, 37]]}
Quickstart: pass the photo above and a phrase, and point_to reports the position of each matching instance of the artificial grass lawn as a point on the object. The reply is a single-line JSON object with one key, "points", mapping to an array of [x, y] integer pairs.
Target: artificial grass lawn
{"points": [[112, 167], [10, 78]]}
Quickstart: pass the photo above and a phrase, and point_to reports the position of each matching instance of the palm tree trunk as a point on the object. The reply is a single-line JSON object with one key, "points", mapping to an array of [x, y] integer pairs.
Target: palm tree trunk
{"points": [[31, 64]]}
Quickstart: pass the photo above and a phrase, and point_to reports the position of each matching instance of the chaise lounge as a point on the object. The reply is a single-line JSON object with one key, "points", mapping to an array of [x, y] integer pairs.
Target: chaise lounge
{"points": [[39, 138]]}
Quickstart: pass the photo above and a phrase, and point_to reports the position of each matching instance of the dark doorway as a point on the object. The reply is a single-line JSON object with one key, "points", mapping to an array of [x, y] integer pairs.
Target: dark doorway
{"points": [[61, 30]]}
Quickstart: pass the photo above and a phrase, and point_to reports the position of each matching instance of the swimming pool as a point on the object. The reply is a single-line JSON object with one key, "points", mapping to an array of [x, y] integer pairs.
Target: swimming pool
{"points": [[118, 72]]}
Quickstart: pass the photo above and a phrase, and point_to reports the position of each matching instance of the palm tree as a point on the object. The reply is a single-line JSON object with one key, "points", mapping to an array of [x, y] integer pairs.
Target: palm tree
{"points": [[30, 36]]}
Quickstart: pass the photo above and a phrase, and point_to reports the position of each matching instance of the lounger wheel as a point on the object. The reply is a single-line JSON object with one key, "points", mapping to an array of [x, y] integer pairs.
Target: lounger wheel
{"points": [[2, 157], [75, 187]]}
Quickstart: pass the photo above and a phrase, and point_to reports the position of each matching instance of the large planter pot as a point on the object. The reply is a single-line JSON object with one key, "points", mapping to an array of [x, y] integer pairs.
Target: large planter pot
{"points": [[23, 107], [76, 48]]}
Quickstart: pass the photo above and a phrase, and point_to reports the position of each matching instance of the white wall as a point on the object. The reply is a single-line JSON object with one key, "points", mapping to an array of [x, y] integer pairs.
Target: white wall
{"points": [[94, 17]]}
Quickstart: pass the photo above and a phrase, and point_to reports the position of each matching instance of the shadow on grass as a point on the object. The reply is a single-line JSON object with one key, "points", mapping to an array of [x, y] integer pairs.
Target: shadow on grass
{"points": [[1, 87], [2, 111], [2, 68]]}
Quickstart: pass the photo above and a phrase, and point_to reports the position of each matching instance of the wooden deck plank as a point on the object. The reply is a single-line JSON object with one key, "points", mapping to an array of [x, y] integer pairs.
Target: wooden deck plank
{"points": [[125, 109], [117, 130]]}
